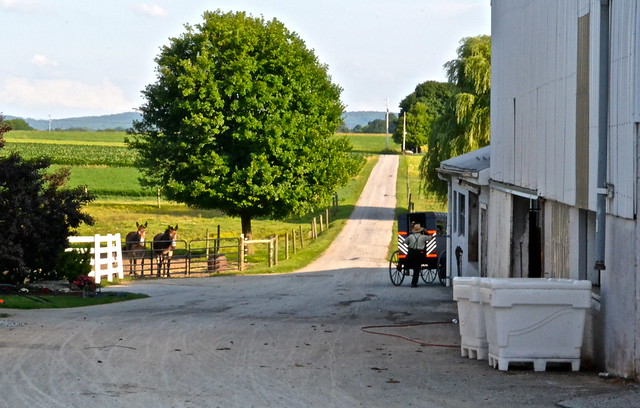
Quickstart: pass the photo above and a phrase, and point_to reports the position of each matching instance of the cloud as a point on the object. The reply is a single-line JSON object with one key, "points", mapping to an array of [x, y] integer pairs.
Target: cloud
{"points": [[43, 61], [63, 95], [152, 10], [23, 6]]}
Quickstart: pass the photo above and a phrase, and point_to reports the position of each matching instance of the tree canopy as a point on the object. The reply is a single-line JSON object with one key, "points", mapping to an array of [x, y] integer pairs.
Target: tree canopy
{"points": [[378, 125], [432, 97], [464, 125], [242, 118], [18, 124]]}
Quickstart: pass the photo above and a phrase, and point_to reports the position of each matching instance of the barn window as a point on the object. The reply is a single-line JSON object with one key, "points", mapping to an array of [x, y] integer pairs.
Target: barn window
{"points": [[461, 213]]}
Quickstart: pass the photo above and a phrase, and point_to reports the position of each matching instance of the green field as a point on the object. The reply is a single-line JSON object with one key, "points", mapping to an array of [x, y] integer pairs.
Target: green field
{"points": [[371, 143], [102, 162], [40, 136]]}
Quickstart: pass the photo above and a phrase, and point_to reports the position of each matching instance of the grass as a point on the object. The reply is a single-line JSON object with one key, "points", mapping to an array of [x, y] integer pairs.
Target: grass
{"points": [[108, 181], [409, 182], [371, 143], [422, 200], [64, 301]]}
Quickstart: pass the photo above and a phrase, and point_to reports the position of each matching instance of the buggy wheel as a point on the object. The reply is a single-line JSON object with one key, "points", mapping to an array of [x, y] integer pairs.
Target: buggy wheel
{"points": [[428, 275], [442, 269], [396, 272]]}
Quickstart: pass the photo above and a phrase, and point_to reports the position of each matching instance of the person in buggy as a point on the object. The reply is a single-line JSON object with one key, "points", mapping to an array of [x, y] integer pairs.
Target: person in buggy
{"points": [[416, 242]]}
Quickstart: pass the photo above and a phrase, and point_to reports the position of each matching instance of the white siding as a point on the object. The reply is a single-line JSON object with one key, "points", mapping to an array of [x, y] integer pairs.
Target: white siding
{"points": [[622, 129], [535, 64], [534, 73]]}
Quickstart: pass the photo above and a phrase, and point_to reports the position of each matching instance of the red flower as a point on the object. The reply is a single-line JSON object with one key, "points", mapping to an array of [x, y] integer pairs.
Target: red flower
{"points": [[83, 280]]}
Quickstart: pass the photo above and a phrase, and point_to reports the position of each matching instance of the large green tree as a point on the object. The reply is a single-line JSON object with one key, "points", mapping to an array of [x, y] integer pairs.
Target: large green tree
{"points": [[242, 118], [18, 124], [432, 97], [464, 124]]}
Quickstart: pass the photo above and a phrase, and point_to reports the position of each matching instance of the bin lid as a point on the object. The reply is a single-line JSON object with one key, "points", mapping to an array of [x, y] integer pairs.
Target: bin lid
{"points": [[465, 280], [538, 283]]}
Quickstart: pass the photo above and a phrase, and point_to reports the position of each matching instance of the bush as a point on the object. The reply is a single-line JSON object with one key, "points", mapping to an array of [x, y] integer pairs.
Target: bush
{"points": [[74, 263], [37, 214]]}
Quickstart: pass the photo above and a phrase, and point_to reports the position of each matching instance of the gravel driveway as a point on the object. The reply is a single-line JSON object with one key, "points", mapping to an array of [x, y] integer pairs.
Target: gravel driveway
{"points": [[296, 340]]}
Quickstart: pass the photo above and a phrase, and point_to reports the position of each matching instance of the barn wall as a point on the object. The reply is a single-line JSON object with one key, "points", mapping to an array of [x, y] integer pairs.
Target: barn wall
{"points": [[545, 56], [499, 245]]}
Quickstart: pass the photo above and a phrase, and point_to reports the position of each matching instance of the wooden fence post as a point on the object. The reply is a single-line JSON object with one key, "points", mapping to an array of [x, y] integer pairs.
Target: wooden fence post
{"points": [[270, 251], [293, 240], [275, 249], [241, 252], [206, 244], [217, 244], [286, 246], [314, 230], [301, 238], [326, 216]]}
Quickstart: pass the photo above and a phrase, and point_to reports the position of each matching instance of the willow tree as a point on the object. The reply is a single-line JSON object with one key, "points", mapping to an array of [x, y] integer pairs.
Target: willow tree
{"points": [[242, 118], [464, 125]]}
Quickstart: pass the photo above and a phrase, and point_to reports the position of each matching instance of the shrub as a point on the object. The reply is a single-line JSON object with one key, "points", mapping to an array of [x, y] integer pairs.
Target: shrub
{"points": [[37, 215], [74, 263]]}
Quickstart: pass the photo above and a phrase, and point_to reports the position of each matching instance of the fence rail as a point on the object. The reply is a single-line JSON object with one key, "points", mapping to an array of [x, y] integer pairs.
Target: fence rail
{"points": [[106, 255], [196, 257], [189, 258]]}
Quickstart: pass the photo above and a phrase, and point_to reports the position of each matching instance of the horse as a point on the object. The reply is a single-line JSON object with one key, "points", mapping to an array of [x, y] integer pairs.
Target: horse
{"points": [[163, 246], [135, 248]]}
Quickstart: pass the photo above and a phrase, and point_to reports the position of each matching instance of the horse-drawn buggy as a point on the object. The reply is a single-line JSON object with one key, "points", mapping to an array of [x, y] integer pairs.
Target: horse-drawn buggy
{"points": [[434, 254]]}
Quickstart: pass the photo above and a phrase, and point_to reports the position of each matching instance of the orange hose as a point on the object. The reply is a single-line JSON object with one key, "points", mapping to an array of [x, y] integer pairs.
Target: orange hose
{"points": [[366, 329]]}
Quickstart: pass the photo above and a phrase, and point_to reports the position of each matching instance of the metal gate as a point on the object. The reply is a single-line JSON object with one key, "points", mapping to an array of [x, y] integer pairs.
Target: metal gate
{"points": [[196, 257]]}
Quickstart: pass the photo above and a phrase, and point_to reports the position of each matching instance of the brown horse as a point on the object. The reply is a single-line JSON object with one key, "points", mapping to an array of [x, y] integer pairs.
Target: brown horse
{"points": [[163, 246], [135, 248]]}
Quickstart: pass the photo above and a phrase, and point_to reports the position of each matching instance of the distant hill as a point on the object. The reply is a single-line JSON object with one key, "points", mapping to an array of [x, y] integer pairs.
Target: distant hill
{"points": [[352, 119], [125, 120], [118, 121]]}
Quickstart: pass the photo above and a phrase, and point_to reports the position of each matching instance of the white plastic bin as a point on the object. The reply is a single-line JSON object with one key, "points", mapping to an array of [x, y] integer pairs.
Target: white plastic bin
{"points": [[473, 336], [535, 320]]}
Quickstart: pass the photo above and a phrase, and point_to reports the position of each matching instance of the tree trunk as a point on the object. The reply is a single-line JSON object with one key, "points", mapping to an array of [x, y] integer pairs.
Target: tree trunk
{"points": [[246, 226], [246, 231]]}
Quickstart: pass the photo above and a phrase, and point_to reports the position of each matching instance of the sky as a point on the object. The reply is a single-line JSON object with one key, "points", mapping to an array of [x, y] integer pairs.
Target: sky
{"points": [[72, 58]]}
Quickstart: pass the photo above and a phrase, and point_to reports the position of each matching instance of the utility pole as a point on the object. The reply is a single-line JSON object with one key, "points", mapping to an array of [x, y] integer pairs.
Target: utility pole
{"points": [[387, 139], [404, 130], [49, 123]]}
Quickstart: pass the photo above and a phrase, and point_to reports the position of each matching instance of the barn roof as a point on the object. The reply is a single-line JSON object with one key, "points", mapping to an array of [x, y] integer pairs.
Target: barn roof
{"points": [[469, 164]]}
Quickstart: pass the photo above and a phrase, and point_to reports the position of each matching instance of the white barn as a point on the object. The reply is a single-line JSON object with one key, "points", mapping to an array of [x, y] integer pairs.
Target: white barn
{"points": [[563, 185]]}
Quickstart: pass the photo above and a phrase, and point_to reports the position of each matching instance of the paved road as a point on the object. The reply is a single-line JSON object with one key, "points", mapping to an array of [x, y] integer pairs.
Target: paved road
{"points": [[293, 340]]}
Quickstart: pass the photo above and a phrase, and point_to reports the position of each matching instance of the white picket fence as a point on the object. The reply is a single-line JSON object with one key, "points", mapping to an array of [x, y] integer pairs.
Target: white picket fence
{"points": [[106, 255]]}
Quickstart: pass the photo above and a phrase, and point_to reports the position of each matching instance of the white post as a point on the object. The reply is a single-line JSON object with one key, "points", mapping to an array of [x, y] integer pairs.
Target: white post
{"points": [[404, 130], [387, 134], [97, 257]]}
